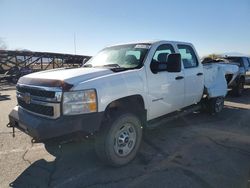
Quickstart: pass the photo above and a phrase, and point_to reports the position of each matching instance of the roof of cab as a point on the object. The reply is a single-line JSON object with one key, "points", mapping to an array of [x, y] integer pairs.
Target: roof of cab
{"points": [[151, 42]]}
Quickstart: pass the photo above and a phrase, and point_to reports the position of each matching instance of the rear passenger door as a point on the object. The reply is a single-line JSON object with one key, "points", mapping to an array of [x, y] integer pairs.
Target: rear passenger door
{"points": [[193, 74]]}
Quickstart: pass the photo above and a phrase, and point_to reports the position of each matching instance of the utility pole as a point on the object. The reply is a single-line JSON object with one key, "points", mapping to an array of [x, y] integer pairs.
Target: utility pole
{"points": [[75, 42]]}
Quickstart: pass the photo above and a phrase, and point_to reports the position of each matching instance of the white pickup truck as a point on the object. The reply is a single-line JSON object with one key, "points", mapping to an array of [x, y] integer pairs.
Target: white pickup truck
{"points": [[116, 94]]}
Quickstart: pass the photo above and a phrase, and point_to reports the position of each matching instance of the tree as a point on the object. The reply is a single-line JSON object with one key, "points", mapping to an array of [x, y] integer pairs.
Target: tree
{"points": [[210, 58], [3, 45], [214, 56]]}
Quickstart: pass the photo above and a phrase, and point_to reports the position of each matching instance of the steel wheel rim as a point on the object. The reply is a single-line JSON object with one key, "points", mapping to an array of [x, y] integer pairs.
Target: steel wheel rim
{"points": [[125, 140], [219, 104]]}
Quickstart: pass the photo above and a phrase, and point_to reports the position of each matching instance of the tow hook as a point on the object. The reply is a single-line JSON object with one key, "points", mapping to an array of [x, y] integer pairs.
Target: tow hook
{"points": [[33, 141], [13, 129]]}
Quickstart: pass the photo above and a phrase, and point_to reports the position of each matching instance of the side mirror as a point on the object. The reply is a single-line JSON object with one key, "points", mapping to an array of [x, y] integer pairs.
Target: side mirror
{"points": [[174, 63]]}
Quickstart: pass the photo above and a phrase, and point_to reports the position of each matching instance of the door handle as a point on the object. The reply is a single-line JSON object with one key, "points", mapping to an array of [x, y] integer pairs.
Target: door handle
{"points": [[199, 74], [179, 77]]}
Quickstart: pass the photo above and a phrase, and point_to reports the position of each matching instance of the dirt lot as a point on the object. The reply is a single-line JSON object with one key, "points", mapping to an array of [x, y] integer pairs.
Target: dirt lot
{"points": [[197, 150]]}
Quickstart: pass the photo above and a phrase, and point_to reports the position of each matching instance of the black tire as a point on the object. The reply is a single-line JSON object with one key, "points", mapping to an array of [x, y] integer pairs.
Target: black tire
{"points": [[237, 90], [106, 144], [204, 105], [215, 105]]}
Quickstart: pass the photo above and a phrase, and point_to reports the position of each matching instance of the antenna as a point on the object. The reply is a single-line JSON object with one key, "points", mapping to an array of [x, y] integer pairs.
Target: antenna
{"points": [[75, 42]]}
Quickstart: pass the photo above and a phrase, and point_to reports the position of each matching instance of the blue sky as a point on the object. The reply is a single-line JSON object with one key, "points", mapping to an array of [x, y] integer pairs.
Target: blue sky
{"points": [[213, 26]]}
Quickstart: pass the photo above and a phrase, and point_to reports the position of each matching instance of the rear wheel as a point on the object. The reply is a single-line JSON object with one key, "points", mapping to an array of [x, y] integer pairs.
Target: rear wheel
{"points": [[237, 90], [120, 139], [215, 105]]}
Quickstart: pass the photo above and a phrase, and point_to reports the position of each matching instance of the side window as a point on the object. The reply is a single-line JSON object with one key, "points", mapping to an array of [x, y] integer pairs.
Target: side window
{"points": [[163, 49], [188, 56], [246, 62], [161, 55]]}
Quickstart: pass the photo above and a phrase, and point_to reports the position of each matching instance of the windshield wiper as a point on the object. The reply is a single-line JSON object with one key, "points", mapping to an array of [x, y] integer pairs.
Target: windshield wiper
{"points": [[112, 65], [107, 65], [118, 69], [87, 65]]}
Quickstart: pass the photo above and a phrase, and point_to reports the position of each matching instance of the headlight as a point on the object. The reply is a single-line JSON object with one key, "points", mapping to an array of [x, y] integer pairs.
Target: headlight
{"points": [[79, 102]]}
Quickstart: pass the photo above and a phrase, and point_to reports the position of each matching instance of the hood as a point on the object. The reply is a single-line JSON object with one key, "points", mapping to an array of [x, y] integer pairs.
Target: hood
{"points": [[70, 76]]}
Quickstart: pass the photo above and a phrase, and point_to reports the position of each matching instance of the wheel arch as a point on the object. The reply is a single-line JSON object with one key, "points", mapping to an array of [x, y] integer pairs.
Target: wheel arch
{"points": [[242, 77], [134, 104]]}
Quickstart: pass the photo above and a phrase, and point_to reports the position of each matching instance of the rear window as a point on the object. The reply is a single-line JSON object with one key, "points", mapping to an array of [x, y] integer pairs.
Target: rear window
{"points": [[235, 60]]}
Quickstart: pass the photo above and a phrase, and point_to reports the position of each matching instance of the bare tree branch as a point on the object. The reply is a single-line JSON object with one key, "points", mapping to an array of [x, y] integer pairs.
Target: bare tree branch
{"points": [[3, 45]]}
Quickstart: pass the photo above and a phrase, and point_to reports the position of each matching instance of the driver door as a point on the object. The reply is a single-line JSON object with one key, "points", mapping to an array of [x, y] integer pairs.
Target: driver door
{"points": [[165, 89]]}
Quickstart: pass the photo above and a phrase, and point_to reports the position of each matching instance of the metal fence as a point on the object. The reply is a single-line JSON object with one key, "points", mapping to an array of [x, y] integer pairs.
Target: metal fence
{"points": [[14, 64]]}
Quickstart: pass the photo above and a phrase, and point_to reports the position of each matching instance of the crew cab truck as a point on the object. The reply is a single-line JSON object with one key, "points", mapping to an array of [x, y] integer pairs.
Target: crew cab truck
{"points": [[116, 94]]}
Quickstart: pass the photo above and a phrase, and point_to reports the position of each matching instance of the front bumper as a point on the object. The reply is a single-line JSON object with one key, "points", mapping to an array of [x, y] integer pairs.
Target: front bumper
{"points": [[40, 128]]}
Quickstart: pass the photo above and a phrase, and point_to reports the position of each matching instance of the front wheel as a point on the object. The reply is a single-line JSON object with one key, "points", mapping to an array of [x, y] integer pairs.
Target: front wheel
{"points": [[215, 105], [119, 140]]}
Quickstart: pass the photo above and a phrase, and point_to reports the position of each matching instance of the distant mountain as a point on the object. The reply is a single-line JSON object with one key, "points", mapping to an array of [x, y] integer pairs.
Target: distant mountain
{"points": [[234, 54], [23, 50]]}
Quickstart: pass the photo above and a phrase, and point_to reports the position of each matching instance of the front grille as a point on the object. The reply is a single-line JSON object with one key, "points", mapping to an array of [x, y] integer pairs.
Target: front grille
{"points": [[36, 92], [40, 100], [36, 108]]}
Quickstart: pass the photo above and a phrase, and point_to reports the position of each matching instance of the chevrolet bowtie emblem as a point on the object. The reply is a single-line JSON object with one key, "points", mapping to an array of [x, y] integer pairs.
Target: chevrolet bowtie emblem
{"points": [[26, 98]]}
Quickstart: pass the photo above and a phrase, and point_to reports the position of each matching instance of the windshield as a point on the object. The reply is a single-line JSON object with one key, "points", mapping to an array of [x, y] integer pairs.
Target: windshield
{"points": [[235, 60], [123, 56]]}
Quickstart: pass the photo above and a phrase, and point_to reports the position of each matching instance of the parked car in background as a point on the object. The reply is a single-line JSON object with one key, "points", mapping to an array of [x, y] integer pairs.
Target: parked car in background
{"points": [[248, 73], [243, 75]]}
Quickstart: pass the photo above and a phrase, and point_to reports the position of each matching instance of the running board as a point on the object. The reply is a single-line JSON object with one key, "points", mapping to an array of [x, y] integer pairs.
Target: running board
{"points": [[172, 116]]}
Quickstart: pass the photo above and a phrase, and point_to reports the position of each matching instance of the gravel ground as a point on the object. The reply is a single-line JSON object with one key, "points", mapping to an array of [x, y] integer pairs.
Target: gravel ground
{"points": [[197, 150]]}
